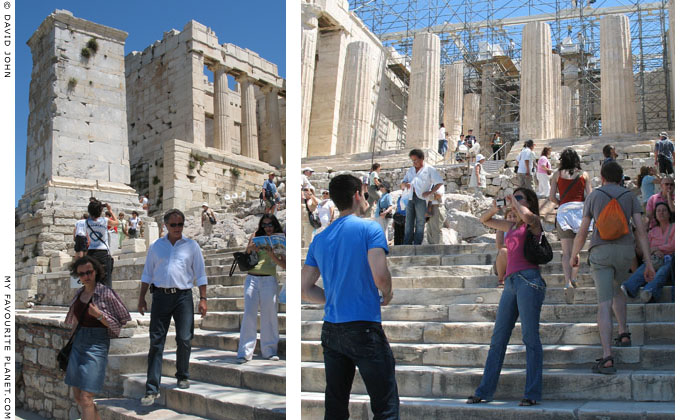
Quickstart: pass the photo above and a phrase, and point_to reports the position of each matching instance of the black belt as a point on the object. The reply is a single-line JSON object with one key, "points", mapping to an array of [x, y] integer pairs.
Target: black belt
{"points": [[167, 291]]}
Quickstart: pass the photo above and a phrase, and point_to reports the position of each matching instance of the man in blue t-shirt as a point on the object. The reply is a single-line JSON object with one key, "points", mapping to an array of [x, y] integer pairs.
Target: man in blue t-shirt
{"points": [[350, 256], [268, 193], [664, 154]]}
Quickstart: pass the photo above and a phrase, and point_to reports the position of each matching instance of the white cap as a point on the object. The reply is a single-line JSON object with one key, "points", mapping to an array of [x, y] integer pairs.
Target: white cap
{"points": [[307, 169], [204, 204], [480, 157]]}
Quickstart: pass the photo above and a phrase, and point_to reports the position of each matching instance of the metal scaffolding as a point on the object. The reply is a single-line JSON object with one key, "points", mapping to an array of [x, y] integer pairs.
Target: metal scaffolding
{"points": [[487, 36]]}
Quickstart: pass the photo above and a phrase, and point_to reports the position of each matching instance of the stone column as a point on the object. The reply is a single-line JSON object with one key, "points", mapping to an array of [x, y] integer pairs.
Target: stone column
{"points": [[273, 150], [536, 84], [470, 113], [558, 108], [356, 110], [618, 110], [248, 129], [488, 109], [310, 32], [222, 122], [452, 101], [424, 96], [566, 114], [572, 81]]}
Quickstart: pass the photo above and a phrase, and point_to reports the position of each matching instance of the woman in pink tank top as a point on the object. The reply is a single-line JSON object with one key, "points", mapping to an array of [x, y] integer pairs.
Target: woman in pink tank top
{"points": [[523, 294]]}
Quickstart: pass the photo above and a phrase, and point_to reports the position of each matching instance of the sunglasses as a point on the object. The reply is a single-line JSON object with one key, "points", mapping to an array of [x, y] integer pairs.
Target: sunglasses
{"points": [[84, 273], [266, 225], [176, 225], [519, 197]]}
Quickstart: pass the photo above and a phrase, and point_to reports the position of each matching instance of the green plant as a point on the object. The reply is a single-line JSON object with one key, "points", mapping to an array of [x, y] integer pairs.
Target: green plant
{"points": [[192, 164], [25, 259], [156, 180], [33, 202], [235, 172], [71, 83], [92, 45], [85, 52], [225, 172]]}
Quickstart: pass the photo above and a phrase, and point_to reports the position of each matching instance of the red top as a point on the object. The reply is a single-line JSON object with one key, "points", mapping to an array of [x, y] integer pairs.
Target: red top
{"points": [[576, 192]]}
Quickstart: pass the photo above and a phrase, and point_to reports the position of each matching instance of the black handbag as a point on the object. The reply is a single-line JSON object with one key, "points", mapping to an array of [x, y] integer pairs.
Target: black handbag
{"points": [[537, 249], [63, 355], [244, 261], [313, 220]]}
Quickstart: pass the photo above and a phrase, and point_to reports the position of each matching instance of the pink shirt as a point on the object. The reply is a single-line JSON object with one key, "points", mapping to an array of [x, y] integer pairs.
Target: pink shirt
{"points": [[657, 239], [543, 161], [515, 244]]}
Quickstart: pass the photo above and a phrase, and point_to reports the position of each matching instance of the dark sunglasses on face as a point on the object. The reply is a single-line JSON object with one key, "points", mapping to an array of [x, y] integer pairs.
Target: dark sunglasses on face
{"points": [[175, 225], [519, 197], [84, 273], [266, 225]]}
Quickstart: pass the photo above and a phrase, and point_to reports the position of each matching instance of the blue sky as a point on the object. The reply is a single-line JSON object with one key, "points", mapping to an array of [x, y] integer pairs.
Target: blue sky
{"points": [[258, 25]]}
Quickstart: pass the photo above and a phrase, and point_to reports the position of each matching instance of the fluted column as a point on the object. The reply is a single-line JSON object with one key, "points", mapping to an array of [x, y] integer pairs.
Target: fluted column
{"points": [[558, 106], [272, 152], [618, 110], [488, 111], [470, 113], [566, 113], [356, 108], [222, 122], [571, 79], [536, 83], [424, 96], [248, 129], [310, 33], [452, 100]]}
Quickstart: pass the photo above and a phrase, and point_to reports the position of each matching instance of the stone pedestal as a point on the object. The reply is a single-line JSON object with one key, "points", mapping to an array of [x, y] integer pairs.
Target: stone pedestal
{"points": [[618, 109], [452, 101], [424, 94], [222, 122], [536, 83], [249, 135], [356, 107], [310, 32], [471, 113]]}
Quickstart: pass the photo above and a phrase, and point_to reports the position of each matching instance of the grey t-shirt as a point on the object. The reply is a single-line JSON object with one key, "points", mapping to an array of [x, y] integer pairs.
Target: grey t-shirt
{"points": [[665, 148], [597, 200]]}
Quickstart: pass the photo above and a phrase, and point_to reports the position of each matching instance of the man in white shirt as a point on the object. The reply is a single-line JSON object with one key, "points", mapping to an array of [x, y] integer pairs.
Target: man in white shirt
{"points": [[442, 141], [437, 217], [306, 173], [424, 181], [172, 264], [525, 159]]}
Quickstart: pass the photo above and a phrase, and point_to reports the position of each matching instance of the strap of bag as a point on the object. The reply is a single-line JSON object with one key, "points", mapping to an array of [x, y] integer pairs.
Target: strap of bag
{"points": [[570, 185], [98, 235]]}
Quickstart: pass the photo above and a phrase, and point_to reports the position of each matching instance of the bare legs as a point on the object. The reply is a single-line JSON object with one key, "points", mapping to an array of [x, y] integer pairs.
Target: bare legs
{"points": [[569, 271], [85, 402], [604, 320]]}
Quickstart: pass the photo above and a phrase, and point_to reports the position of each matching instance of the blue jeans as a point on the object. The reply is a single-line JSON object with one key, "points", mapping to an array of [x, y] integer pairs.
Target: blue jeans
{"points": [[180, 307], [442, 147], [636, 280], [362, 344], [523, 294], [414, 220]]}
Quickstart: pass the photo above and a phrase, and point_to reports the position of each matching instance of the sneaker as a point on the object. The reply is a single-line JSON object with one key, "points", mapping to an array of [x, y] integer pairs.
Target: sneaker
{"points": [[645, 296], [625, 291], [241, 360], [183, 383], [148, 399], [274, 358]]}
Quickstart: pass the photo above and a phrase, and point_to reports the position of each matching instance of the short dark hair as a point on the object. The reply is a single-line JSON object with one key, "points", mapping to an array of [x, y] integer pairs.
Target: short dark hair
{"points": [[135, 212], [529, 143], [95, 208], [469, 130], [671, 214], [85, 216], [607, 150], [171, 212], [342, 188], [277, 228], [545, 151], [375, 166], [416, 152], [87, 259], [612, 172]]}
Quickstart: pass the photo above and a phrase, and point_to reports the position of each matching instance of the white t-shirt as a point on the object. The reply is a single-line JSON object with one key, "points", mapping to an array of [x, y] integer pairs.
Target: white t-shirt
{"points": [[373, 175], [81, 228], [134, 223], [423, 180], [442, 133], [324, 211], [96, 228], [525, 155]]}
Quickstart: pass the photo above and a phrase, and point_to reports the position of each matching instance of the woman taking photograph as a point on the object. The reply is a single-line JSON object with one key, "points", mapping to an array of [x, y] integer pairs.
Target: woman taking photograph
{"points": [[261, 289], [572, 185], [97, 314], [523, 294]]}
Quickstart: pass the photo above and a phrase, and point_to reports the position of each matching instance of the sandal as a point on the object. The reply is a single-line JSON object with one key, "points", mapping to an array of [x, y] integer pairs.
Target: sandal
{"points": [[473, 399], [527, 402], [573, 283], [618, 341], [500, 285], [606, 370]]}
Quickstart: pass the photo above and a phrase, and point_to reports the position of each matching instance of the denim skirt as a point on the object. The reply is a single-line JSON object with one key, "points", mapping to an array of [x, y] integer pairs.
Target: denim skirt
{"points": [[88, 359]]}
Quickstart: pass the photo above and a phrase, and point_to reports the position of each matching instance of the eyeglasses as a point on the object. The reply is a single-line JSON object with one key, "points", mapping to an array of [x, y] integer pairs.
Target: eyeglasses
{"points": [[176, 225], [84, 273], [519, 197], [266, 225]]}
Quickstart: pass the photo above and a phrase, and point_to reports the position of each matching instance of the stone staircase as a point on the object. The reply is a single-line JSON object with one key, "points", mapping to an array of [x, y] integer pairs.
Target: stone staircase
{"points": [[220, 387], [440, 323]]}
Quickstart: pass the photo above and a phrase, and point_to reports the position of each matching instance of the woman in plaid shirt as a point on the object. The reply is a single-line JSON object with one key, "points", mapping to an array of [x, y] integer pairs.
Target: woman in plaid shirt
{"points": [[98, 313]]}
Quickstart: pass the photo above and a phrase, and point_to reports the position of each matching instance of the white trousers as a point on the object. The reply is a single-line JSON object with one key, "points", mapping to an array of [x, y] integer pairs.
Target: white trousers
{"points": [[384, 225], [544, 187], [259, 292]]}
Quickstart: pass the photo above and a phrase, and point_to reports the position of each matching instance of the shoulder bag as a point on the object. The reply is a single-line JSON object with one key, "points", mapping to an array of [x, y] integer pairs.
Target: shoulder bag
{"points": [[537, 250], [245, 261], [313, 220]]}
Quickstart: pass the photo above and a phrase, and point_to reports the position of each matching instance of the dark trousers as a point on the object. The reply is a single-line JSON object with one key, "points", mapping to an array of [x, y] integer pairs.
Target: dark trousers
{"points": [[495, 148], [180, 307], [398, 228], [106, 261], [364, 345], [665, 165]]}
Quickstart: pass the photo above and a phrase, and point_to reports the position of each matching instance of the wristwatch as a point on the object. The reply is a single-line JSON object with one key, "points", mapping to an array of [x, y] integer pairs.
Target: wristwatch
{"points": [[203, 298], [100, 317]]}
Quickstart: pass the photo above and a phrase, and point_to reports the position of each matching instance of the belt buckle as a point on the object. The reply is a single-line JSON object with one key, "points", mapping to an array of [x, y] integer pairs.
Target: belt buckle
{"points": [[170, 291]]}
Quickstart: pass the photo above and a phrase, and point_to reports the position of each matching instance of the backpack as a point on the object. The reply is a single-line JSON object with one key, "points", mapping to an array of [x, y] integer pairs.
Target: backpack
{"points": [[612, 223]]}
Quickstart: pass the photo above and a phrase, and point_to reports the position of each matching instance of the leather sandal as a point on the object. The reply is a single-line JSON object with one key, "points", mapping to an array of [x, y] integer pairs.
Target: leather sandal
{"points": [[618, 341], [527, 402], [601, 368], [473, 399]]}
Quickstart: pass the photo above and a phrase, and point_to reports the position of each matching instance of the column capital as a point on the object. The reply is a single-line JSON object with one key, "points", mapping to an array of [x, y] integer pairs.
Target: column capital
{"points": [[244, 77], [266, 89], [217, 66]]}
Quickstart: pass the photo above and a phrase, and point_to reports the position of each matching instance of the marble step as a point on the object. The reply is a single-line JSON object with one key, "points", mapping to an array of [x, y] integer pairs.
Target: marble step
{"points": [[636, 312], [131, 409], [478, 281], [232, 321], [232, 304], [480, 332], [210, 401], [654, 357], [558, 384], [445, 408]]}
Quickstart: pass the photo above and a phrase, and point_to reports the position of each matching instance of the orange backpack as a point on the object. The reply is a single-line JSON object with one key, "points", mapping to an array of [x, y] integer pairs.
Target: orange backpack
{"points": [[612, 223]]}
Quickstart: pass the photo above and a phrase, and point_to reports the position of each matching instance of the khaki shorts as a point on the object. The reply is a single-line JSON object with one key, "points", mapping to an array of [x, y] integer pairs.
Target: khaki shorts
{"points": [[564, 234], [610, 264]]}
